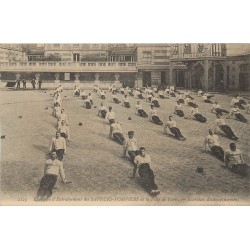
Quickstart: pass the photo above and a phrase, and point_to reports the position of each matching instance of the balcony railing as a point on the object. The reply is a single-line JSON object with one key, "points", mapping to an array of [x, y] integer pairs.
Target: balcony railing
{"points": [[195, 55], [68, 66]]}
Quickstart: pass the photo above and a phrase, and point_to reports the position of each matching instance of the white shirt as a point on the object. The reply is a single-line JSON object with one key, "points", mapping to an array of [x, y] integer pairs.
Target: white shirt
{"points": [[171, 124], [234, 100], [54, 167], [220, 122], [130, 144], [116, 128], [57, 143], [212, 140], [141, 160], [110, 115]]}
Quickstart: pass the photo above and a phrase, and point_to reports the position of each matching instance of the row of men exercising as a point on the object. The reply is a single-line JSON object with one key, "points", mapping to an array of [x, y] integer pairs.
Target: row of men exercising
{"points": [[236, 104], [54, 166], [57, 149]]}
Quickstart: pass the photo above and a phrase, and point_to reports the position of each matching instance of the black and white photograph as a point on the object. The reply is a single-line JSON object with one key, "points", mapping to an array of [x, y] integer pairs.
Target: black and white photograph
{"points": [[125, 123]]}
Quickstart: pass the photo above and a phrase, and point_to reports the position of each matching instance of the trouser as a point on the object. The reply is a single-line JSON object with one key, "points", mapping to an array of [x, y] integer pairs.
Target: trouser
{"points": [[190, 97], [84, 97], [40, 85], [88, 105], [207, 101], [47, 184], [181, 100], [24, 86], [242, 102], [140, 96], [239, 105], [218, 152], [122, 92], [192, 104], [156, 120], [142, 113], [156, 103], [228, 132], [111, 121], [176, 132], [102, 96], [116, 100], [162, 96], [200, 118], [173, 94], [18, 86], [241, 169], [64, 136], [126, 104], [59, 154], [180, 113], [103, 113], [221, 111], [240, 117], [149, 99], [119, 138], [131, 94], [147, 176], [34, 86], [133, 154]]}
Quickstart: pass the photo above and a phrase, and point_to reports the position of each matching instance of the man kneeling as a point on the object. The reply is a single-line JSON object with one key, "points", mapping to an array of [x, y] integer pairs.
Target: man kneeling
{"points": [[146, 174]]}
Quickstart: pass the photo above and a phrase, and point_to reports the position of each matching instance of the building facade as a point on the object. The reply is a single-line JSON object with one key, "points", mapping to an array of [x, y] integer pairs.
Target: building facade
{"points": [[192, 66]]}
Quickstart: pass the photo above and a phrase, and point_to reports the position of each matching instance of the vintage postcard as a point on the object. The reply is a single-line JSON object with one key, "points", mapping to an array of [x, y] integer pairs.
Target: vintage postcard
{"points": [[125, 124]]}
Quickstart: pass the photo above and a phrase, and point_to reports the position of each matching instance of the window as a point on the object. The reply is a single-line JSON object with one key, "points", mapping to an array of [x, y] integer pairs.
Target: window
{"points": [[147, 56], [175, 49], [187, 48]]}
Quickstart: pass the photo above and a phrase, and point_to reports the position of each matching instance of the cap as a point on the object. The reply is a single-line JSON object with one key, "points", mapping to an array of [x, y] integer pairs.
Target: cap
{"points": [[130, 132]]}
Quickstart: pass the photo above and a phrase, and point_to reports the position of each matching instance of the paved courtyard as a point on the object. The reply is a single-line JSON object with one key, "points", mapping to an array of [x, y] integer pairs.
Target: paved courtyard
{"points": [[94, 163]]}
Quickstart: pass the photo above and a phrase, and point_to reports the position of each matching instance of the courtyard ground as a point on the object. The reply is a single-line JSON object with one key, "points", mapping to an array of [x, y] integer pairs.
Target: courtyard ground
{"points": [[94, 163]]}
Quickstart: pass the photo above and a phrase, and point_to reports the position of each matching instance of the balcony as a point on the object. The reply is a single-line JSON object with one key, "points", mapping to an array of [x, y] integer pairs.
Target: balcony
{"points": [[68, 66]]}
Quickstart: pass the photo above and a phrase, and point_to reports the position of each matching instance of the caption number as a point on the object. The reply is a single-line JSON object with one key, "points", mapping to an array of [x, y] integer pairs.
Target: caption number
{"points": [[22, 199]]}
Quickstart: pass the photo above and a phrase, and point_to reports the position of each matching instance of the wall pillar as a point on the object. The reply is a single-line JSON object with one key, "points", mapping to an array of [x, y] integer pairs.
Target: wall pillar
{"points": [[37, 76], [117, 80], [170, 73], [77, 76], [57, 76], [206, 67], [97, 78]]}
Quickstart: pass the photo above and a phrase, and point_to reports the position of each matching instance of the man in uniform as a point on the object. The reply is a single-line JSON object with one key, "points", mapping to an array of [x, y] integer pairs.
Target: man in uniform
{"points": [[115, 132]]}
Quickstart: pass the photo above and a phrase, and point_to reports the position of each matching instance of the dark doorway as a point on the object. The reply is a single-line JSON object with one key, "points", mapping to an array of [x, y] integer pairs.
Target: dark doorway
{"points": [[180, 78], [146, 78], [163, 77], [243, 81]]}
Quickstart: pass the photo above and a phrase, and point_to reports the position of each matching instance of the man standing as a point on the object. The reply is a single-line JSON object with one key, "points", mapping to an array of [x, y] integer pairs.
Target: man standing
{"points": [[24, 84], [58, 145], [40, 84], [18, 83], [53, 167], [33, 83]]}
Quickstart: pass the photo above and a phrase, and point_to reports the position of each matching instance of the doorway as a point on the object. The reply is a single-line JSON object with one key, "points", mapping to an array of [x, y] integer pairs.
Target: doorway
{"points": [[146, 78]]}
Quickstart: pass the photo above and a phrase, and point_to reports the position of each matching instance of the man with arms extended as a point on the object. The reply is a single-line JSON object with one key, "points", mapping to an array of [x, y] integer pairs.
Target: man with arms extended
{"points": [[53, 167]]}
